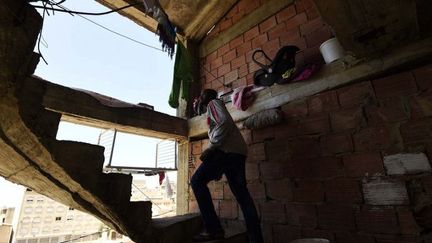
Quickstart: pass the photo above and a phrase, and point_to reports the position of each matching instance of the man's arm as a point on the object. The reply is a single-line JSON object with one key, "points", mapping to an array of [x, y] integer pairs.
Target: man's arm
{"points": [[220, 116]]}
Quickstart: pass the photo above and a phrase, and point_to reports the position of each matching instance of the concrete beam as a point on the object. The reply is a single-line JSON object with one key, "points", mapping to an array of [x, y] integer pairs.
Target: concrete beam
{"points": [[330, 77], [82, 108]]}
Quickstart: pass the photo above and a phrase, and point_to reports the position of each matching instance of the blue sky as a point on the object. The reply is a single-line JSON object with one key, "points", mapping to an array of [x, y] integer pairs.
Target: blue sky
{"points": [[83, 55]]}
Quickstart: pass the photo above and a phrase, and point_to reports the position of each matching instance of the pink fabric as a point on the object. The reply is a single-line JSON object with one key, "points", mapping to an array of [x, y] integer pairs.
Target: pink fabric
{"points": [[243, 97], [307, 71]]}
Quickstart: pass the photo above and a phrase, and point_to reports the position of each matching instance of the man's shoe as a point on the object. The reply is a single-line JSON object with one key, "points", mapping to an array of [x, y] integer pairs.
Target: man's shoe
{"points": [[206, 236]]}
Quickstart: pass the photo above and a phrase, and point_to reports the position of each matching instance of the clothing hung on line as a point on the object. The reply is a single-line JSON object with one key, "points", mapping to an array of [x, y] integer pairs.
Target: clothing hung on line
{"points": [[182, 76], [165, 29]]}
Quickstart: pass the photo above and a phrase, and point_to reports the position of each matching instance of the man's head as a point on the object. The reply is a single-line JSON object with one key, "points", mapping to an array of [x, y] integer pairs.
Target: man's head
{"points": [[207, 95]]}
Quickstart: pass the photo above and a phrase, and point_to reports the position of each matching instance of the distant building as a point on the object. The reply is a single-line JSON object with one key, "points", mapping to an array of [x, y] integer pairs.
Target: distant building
{"points": [[6, 230], [163, 197], [43, 220]]}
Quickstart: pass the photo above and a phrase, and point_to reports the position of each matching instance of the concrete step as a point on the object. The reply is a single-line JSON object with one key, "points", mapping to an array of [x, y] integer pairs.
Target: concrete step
{"points": [[77, 157], [173, 229], [231, 236]]}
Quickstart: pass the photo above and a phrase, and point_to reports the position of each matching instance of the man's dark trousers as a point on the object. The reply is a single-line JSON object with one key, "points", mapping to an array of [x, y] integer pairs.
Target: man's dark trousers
{"points": [[233, 166]]}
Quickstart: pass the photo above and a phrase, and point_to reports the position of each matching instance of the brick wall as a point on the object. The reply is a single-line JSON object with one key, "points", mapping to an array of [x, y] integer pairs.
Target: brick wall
{"points": [[350, 164], [298, 24]]}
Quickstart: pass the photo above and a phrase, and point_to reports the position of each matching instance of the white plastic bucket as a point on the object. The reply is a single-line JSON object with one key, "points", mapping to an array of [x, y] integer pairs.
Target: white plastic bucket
{"points": [[332, 50], [311, 240]]}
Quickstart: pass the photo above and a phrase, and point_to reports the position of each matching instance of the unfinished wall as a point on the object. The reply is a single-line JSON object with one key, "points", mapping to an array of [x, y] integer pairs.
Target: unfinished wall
{"points": [[350, 164], [298, 24]]}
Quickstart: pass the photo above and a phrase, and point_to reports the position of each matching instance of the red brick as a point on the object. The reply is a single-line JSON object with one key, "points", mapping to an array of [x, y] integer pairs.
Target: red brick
{"points": [[236, 42], [260, 135], [311, 26], [237, 62], [243, 71], [337, 143], [363, 164], [285, 233], [259, 41], [271, 47], [418, 132], [302, 5], [216, 189], [308, 191], [421, 105], [274, 171], [279, 189], [343, 191], [286, 129], [347, 119], [227, 193], [295, 109], [244, 48], [224, 69], [296, 21], [305, 147], [318, 36], [315, 233], [312, 13], [225, 24], [234, 10], [223, 49], [216, 63], [229, 56], [302, 168], [253, 67], [193, 207], [211, 57], [252, 171], [336, 217], [326, 167], [377, 220], [286, 14], [292, 37], [387, 111], [323, 102], [267, 24], [301, 214], [355, 94], [257, 190], [248, 6], [228, 209], [407, 222], [256, 152], [276, 31], [423, 76], [314, 125], [398, 239], [247, 135], [372, 139], [395, 85], [196, 147], [312, 54], [231, 76], [273, 212], [347, 237], [251, 34]]}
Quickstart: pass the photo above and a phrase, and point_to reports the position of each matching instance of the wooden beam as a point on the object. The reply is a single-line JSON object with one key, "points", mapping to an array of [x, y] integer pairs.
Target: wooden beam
{"points": [[330, 77], [263, 12], [82, 108], [136, 13]]}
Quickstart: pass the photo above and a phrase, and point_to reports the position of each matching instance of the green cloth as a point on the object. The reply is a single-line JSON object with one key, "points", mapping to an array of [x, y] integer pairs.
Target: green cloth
{"points": [[182, 76]]}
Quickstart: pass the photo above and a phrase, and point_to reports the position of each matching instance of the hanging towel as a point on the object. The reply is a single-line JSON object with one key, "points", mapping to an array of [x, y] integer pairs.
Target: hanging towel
{"points": [[243, 97], [182, 76], [161, 176]]}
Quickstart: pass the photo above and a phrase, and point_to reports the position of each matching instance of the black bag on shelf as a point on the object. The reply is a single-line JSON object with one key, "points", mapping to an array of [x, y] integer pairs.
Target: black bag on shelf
{"points": [[279, 70]]}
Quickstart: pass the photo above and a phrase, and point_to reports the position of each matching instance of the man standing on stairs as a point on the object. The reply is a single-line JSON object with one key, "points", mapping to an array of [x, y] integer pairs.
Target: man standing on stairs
{"points": [[226, 154]]}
